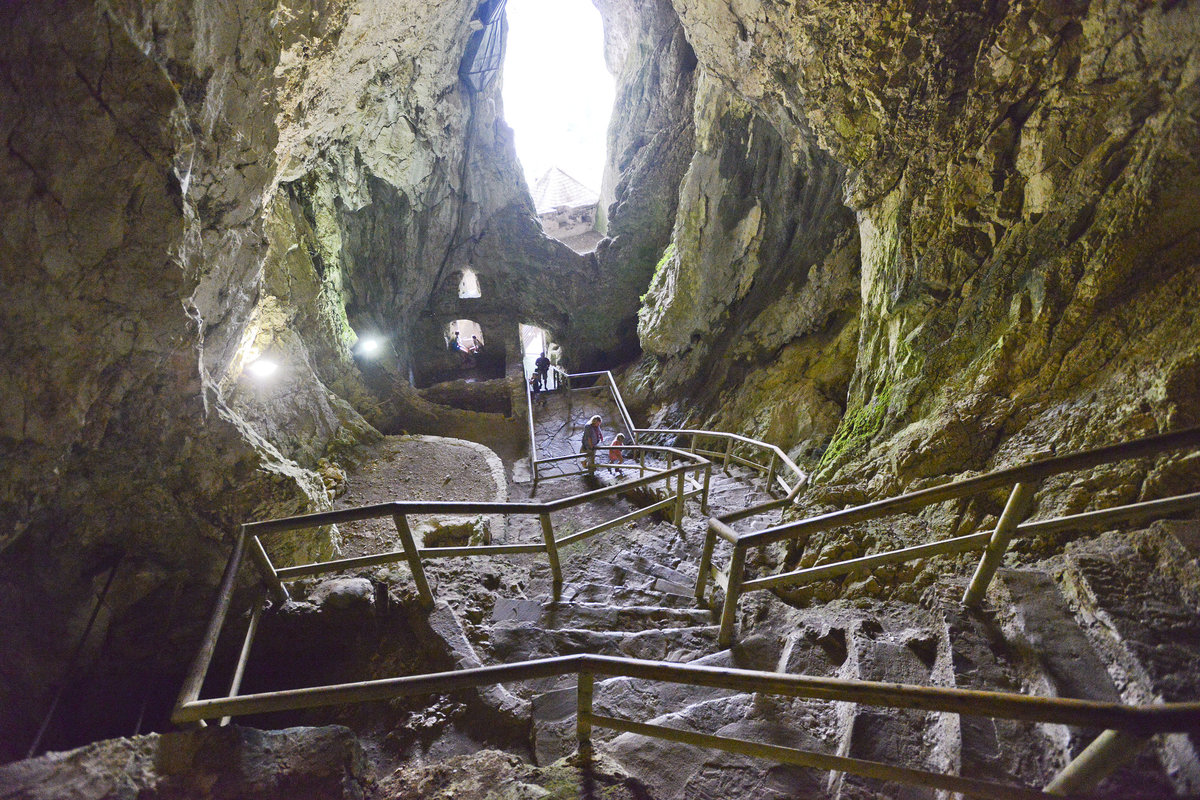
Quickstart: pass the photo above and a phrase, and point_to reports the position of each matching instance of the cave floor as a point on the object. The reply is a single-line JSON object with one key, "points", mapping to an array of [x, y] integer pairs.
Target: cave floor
{"points": [[559, 418]]}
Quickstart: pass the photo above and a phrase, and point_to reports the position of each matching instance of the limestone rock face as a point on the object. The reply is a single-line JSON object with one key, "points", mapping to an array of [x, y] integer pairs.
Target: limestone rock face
{"points": [[1024, 179], [214, 764], [763, 267], [650, 142], [189, 188]]}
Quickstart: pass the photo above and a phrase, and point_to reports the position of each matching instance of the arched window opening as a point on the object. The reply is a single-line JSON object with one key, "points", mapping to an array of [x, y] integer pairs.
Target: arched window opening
{"points": [[468, 285], [468, 331]]}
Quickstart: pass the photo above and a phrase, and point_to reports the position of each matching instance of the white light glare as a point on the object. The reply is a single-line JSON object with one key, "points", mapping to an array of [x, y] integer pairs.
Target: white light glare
{"points": [[262, 368], [368, 347]]}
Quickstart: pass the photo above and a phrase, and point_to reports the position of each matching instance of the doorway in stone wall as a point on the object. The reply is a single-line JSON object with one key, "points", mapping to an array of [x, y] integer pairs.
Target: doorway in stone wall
{"points": [[534, 342], [478, 359]]}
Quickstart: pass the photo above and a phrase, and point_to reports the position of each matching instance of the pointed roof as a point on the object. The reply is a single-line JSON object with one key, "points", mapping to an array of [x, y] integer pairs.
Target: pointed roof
{"points": [[556, 188]]}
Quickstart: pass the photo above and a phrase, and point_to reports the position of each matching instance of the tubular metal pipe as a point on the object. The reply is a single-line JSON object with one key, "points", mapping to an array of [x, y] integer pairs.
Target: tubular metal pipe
{"points": [[1107, 753], [1014, 511], [194, 681], [1028, 473], [239, 671], [822, 761]]}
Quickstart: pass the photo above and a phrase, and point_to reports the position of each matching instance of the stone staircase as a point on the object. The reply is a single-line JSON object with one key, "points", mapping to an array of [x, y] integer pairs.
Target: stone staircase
{"points": [[1069, 627]]}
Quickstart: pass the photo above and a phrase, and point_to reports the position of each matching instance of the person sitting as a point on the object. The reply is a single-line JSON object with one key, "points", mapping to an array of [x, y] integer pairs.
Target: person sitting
{"points": [[464, 356], [615, 454], [476, 345]]}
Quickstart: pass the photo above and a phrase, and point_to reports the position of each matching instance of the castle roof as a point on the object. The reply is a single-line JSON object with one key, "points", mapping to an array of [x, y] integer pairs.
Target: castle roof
{"points": [[556, 189]]}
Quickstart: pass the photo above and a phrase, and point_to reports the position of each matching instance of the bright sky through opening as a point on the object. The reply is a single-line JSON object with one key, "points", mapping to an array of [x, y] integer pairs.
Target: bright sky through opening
{"points": [[557, 92]]}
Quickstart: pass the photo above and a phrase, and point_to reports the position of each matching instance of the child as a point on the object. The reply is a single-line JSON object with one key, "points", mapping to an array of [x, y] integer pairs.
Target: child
{"points": [[615, 455]]}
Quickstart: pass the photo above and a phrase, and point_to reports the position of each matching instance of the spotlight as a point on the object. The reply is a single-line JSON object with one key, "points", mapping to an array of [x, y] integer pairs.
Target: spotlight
{"points": [[262, 368], [368, 347]]}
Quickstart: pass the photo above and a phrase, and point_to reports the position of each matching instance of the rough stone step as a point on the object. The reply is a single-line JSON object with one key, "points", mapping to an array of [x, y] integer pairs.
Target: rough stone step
{"points": [[627, 698], [893, 736], [519, 641], [658, 569], [973, 654], [616, 575], [625, 595], [597, 616], [1141, 620], [681, 772], [1058, 659]]}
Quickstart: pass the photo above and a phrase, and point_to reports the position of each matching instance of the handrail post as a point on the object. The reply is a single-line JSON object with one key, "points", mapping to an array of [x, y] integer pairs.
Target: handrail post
{"points": [[680, 496], [728, 450], [414, 560], [1104, 756], [258, 554], [641, 463], [707, 482], [771, 471], [194, 682], [710, 541], [733, 591], [239, 671], [1014, 511], [552, 552], [583, 713]]}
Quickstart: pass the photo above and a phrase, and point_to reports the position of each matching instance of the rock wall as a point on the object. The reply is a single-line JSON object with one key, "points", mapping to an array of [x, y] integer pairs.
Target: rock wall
{"points": [[1023, 176], [189, 187], [753, 308], [650, 142]]}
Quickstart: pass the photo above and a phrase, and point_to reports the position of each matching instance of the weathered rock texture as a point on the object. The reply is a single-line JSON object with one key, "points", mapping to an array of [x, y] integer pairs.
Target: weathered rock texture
{"points": [[650, 142], [188, 188], [902, 239], [215, 764], [1024, 179]]}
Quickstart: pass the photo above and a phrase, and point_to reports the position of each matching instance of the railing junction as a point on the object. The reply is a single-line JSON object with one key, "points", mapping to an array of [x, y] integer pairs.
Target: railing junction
{"points": [[1023, 481]]}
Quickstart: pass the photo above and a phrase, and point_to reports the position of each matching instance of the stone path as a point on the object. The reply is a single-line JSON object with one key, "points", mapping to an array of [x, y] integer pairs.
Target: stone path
{"points": [[630, 592], [559, 418]]}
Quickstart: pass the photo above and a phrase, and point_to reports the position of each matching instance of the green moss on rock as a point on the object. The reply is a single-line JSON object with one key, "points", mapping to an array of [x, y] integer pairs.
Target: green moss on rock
{"points": [[857, 428]]}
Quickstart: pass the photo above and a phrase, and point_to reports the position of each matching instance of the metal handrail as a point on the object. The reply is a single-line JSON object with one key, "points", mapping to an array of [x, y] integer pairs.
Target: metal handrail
{"points": [[248, 541], [533, 460], [376, 510], [1131, 724], [1023, 480], [1125, 726], [777, 455]]}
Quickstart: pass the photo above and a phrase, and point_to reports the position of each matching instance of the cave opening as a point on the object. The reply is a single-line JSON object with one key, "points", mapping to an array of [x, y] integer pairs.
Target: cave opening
{"points": [[558, 94], [468, 285]]}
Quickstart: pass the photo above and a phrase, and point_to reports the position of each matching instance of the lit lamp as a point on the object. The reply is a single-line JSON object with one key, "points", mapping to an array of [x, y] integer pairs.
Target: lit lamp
{"points": [[368, 347], [263, 368]]}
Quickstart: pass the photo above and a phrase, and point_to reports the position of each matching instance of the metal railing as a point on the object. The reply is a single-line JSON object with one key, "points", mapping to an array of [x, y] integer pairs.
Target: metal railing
{"points": [[676, 491], [774, 466], [1124, 726], [777, 462], [1023, 480]]}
